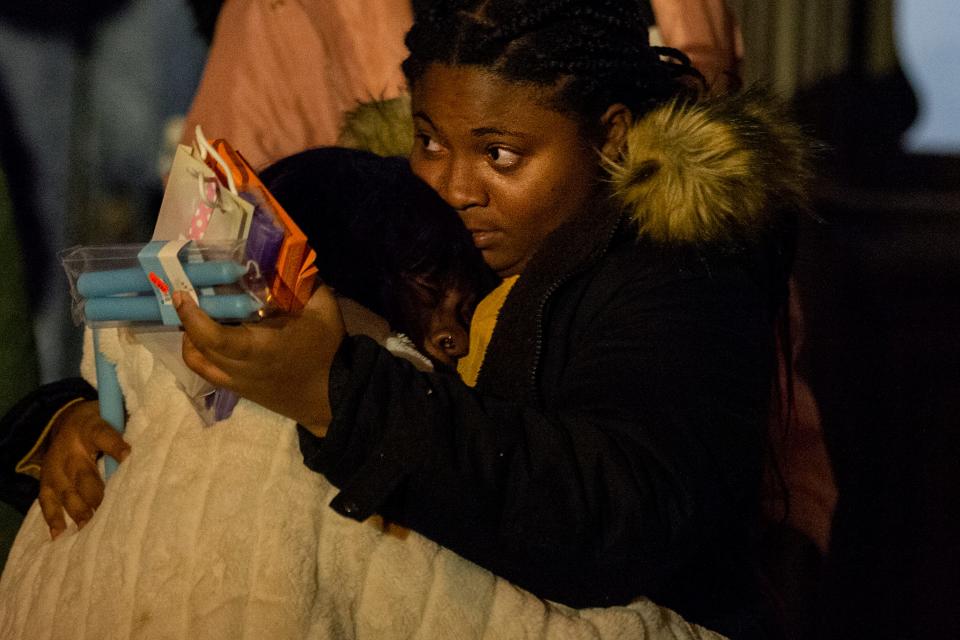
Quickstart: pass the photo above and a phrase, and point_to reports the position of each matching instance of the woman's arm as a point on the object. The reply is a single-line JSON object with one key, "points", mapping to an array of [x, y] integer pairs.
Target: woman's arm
{"points": [[651, 448], [649, 455]]}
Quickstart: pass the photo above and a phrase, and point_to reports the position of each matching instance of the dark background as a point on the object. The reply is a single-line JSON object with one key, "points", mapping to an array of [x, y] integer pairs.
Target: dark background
{"points": [[879, 280]]}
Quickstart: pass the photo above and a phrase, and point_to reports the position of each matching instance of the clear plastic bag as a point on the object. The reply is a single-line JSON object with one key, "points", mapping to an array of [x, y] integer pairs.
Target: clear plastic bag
{"points": [[114, 286]]}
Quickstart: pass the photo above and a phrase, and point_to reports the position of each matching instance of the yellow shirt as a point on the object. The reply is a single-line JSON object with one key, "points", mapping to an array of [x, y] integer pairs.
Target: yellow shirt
{"points": [[481, 329]]}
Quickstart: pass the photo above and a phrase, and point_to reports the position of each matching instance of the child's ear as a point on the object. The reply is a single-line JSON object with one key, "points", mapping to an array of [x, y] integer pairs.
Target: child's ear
{"points": [[615, 123]]}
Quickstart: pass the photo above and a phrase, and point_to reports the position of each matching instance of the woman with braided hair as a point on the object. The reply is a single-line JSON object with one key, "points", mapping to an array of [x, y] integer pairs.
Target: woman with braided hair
{"points": [[605, 441], [285, 99]]}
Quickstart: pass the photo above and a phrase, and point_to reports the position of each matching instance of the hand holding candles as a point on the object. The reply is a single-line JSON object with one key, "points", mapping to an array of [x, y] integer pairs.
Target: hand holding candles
{"points": [[281, 363]]}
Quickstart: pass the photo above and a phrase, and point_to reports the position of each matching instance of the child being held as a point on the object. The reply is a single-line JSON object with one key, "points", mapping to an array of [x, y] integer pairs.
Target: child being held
{"points": [[396, 248]]}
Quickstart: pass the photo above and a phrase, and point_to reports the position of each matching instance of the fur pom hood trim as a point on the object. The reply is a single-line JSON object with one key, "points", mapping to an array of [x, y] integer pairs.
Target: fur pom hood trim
{"points": [[383, 127], [723, 169], [717, 170]]}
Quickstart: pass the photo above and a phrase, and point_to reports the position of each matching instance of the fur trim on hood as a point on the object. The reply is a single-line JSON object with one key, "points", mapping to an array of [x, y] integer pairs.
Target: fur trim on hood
{"points": [[716, 170], [383, 127], [719, 169]]}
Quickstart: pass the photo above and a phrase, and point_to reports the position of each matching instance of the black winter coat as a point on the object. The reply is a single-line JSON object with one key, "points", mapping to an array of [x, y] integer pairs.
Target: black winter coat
{"points": [[612, 446]]}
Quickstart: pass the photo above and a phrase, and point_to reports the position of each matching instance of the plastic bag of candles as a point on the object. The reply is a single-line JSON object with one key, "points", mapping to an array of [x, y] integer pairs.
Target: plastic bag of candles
{"points": [[123, 285]]}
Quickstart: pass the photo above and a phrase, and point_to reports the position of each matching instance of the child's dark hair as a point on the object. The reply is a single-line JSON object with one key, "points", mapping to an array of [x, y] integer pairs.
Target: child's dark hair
{"points": [[382, 236], [596, 52]]}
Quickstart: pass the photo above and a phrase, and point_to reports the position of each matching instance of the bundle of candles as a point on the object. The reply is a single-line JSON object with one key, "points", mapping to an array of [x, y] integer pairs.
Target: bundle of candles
{"points": [[125, 295], [227, 278], [111, 288], [270, 269]]}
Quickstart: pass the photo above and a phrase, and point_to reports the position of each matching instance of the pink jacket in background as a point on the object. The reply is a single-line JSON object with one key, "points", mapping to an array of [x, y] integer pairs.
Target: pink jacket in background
{"points": [[281, 73]]}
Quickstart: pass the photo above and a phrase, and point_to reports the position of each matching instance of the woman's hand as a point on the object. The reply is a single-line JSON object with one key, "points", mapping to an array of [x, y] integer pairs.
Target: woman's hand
{"points": [[69, 478], [281, 363]]}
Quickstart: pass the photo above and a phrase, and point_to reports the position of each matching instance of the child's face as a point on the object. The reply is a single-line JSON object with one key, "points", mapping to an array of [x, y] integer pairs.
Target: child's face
{"points": [[445, 326]]}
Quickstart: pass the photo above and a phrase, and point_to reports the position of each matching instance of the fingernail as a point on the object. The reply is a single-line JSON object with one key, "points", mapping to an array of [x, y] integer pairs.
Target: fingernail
{"points": [[177, 300], [55, 533], [81, 524], [124, 454]]}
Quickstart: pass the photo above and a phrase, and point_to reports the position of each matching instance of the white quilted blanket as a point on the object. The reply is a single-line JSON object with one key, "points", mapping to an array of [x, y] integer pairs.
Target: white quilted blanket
{"points": [[222, 533]]}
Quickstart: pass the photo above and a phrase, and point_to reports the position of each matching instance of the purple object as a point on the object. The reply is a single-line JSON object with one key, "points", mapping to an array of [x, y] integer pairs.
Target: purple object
{"points": [[263, 247], [263, 241], [223, 401]]}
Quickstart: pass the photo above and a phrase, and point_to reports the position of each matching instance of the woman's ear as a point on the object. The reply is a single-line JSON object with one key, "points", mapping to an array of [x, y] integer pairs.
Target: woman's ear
{"points": [[615, 122]]}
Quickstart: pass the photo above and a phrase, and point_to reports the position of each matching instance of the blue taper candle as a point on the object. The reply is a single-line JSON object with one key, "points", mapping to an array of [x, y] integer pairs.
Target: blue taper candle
{"points": [[110, 397], [239, 306], [96, 284]]}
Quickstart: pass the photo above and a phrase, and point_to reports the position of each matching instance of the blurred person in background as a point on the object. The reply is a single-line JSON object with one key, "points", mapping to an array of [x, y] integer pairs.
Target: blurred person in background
{"points": [[87, 88]]}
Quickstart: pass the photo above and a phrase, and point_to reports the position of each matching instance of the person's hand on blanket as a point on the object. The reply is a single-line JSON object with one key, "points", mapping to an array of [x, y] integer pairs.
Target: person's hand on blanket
{"points": [[69, 479], [280, 363]]}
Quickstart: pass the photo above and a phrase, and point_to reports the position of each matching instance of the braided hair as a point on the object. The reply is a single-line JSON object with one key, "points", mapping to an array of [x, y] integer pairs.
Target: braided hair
{"points": [[595, 52]]}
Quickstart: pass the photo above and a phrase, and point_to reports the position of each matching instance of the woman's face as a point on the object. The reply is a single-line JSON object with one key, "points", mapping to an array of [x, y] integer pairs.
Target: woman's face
{"points": [[512, 167]]}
